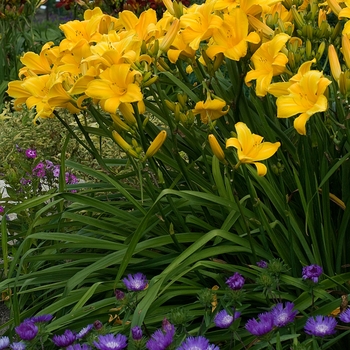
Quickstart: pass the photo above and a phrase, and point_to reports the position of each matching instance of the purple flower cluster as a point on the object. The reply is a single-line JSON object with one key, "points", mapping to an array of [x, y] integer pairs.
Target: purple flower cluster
{"points": [[78, 347], [236, 281], [4, 342], [27, 330], [135, 282], [197, 343], [279, 316], [224, 320], [345, 316], [161, 338], [262, 264], [2, 210], [312, 272], [30, 153]]}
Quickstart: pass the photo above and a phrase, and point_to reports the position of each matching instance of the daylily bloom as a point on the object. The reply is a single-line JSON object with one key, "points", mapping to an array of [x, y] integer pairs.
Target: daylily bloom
{"points": [[199, 24], [210, 109], [232, 37], [268, 62], [251, 149], [115, 86], [304, 93]]}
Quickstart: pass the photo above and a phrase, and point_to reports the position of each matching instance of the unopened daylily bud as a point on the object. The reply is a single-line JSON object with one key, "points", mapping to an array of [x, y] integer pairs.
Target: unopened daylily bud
{"points": [[219, 58], [170, 105], [156, 144], [308, 49], [334, 62], [170, 36], [120, 125], [124, 145], [334, 6], [298, 18], [216, 148], [150, 81], [178, 9], [182, 98], [177, 111], [320, 50], [127, 112], [346, 49]]}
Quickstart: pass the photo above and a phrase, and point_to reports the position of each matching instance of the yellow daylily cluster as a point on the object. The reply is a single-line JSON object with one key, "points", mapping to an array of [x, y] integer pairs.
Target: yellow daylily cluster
{"points": [[111, 61]]}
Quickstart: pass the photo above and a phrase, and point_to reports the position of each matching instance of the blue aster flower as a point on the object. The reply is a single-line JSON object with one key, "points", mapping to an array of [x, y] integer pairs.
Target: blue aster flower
{"points": [[83, 332], [194, 343], [27, 330], [135, 282], [18, 346], [41, 318], [161, 339], [312, 272], [224, 320], [79, 347], [320, 326], [345, 316], [111, 342], [4, 342], [283, 316], [64, 340], [261, 327], [136, 333]]}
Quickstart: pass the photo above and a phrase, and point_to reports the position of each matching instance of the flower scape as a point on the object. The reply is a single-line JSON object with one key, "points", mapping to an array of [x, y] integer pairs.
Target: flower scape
{"points": [[223, 221]]}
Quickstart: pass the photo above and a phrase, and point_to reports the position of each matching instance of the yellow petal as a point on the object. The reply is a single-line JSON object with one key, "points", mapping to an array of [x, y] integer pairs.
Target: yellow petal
{"points": [[299, 123], [233, 142], [261, 168]]}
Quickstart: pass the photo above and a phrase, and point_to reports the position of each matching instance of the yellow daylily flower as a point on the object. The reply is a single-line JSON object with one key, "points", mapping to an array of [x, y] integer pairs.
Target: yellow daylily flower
{"points": [[268, 62], [232, 37], [210, 110], [116, 85], [251, 149], [199, 24], [304, 94]]}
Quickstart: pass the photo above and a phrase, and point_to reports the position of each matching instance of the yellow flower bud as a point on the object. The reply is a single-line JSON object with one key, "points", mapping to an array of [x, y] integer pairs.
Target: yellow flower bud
{"points": [[346, 49], [124, 145], [170, 36], [216, 148], [156, 144], [334, 62]]}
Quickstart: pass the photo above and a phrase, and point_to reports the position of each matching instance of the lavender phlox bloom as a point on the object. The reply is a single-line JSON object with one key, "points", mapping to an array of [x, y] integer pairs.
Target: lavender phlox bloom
{"points": [[224, 320], [48, 164], [41, 318], [79, 347], [27, 330], [4, 342], [111, 342], [83, 332], [71, 179], [64, 340], [30, 153], [283, 316], [345, 316], [136, 333], [194, 343], [135, 282], [2, 209], [18, 346], [236, 281], [261, 327], [39, 170], [312, 272], [262, 264], [320, 326], [23, 181], [160, 339], [56, 171]]}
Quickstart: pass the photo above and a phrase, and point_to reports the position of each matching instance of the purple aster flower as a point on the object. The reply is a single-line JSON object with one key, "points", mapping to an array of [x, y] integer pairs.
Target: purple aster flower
{"points": [[86, 330], [39, 170], [119, 294], [4, 342], [261, 327], [136, 333], [56, 171], [79, 347], [262, 264], [194, 343], [312, 272], [212, 347], [64, 340], [135, 282], [2, 209], [224, 320], [345, 316], [111, 342], [27, 330], [18, 346], [236, 281], [320, 326], [41, 318], [161, 340], [283, 316], [30, 153]]}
